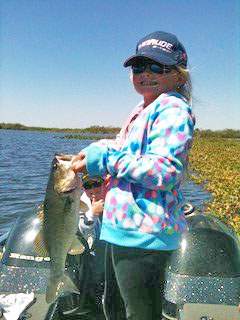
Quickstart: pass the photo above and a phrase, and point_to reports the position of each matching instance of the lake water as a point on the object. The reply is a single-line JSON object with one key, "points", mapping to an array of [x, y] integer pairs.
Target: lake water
{"points": [[25, 160]]}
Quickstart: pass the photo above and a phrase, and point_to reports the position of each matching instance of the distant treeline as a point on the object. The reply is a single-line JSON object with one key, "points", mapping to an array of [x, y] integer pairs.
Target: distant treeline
{"points": [[91, 129], [226, 133]]}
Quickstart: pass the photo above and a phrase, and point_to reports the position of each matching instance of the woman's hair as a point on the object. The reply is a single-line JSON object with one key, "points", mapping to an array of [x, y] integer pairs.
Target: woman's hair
{"points": [[186, 89]]}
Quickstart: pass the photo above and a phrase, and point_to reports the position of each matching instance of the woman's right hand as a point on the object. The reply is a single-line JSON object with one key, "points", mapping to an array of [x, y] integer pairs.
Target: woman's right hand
{"points": [[79, 162]]}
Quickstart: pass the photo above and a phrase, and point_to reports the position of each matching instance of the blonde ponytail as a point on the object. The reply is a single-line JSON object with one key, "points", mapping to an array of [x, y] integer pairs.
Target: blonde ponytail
{"points": [[186, 89]]}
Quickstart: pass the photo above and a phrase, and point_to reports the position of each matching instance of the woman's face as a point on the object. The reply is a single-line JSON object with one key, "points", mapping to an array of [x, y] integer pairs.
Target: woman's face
{"points": [[97, 193], [150, 85]]}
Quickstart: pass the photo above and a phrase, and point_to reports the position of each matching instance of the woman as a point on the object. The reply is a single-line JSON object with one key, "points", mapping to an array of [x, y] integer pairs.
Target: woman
{"points": [[143, 217]]}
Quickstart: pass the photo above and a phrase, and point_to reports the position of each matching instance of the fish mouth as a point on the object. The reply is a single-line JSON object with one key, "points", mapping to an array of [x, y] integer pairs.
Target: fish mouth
{"points": [[60, 159], [65, 180], [68, 191], [63, 157]]}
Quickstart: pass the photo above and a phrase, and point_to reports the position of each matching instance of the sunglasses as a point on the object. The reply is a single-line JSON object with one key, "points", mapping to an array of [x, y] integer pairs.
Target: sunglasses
{"points": [[155, 68], [90, 184]]}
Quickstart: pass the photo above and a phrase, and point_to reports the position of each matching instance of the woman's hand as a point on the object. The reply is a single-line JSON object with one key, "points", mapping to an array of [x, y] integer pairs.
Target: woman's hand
{"points": [[97, 206], [79, 163]]}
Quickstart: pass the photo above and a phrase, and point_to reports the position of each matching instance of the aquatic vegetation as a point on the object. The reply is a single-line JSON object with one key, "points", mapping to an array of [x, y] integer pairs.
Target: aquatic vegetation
{"points": [[93, 137], [215, 163]]}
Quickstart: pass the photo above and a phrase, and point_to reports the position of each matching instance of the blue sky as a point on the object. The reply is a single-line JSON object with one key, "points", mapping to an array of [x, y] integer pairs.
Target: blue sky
{"points": [[61, 61]]}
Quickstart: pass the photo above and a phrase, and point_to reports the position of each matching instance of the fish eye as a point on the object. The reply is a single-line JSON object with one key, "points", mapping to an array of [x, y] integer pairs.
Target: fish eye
{"points": [[56, 167]]}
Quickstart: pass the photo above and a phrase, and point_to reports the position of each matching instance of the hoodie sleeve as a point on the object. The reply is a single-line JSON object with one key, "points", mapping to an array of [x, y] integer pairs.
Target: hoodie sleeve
{"points": [[162, 165]]}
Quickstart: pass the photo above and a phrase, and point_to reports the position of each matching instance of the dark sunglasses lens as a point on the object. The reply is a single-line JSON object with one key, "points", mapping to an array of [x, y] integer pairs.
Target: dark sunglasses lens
{"points": [[138, 68], [156, 68], [86, 185], [91, 184]]}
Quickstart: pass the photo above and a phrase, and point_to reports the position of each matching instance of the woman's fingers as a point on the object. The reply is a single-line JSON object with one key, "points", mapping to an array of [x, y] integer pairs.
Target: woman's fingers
{"points": [[79, 163]]}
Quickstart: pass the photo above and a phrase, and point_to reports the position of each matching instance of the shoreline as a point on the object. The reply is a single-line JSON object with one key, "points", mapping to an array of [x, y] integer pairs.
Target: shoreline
{"points": [[94, 129]]}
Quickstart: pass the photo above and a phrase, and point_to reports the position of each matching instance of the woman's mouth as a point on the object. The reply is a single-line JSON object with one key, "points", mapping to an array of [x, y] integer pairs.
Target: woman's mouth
{"points": [[149, 83]]}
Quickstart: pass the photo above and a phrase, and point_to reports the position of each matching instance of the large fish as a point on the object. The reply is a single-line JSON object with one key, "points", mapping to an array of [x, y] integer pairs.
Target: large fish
{"points": [[59, 224]]}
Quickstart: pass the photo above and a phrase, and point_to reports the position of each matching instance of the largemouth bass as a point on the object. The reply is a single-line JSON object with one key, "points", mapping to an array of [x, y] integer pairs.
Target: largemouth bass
{"points": [[59, 224]]}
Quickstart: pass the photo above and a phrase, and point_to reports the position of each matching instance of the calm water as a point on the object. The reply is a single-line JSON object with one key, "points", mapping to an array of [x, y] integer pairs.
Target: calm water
{"points": [[25, 159]]}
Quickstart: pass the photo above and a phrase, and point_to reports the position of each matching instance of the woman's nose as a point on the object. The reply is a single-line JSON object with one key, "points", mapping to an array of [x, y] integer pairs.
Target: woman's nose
{"points": [[147, 72]]}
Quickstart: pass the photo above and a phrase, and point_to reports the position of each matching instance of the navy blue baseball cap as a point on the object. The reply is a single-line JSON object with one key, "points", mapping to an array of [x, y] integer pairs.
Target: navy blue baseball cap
{"points": [[161, 47]]}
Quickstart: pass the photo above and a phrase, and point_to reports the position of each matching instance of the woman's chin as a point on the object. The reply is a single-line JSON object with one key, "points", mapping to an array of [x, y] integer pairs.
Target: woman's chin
{"points": [[149, 90]]}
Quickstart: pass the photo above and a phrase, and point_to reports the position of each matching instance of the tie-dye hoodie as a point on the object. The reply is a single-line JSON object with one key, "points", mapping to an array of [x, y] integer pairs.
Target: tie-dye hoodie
{"points": [[143, 207]]}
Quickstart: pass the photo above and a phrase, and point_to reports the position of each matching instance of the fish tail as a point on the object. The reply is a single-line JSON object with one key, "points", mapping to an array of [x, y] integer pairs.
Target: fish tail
{"points": [[58, 286]]}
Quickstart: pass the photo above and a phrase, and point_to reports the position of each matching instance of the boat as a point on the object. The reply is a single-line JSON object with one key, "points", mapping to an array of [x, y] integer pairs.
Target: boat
{"points": [[202, 277], [24, 276]]}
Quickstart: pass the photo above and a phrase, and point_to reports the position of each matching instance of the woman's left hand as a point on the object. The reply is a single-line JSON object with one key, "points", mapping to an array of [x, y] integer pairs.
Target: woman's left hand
{"points": [[79, 163], [97, 206]]}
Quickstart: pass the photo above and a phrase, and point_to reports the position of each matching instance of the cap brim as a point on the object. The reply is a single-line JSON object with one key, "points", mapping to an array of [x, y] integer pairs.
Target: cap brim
{"points": [[163, 59]]}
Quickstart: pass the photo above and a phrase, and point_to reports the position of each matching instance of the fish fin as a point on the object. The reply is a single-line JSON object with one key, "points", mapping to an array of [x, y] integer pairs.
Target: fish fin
{"points": [[77, 247], [57, 286], [39, 244], [83, 206]]}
